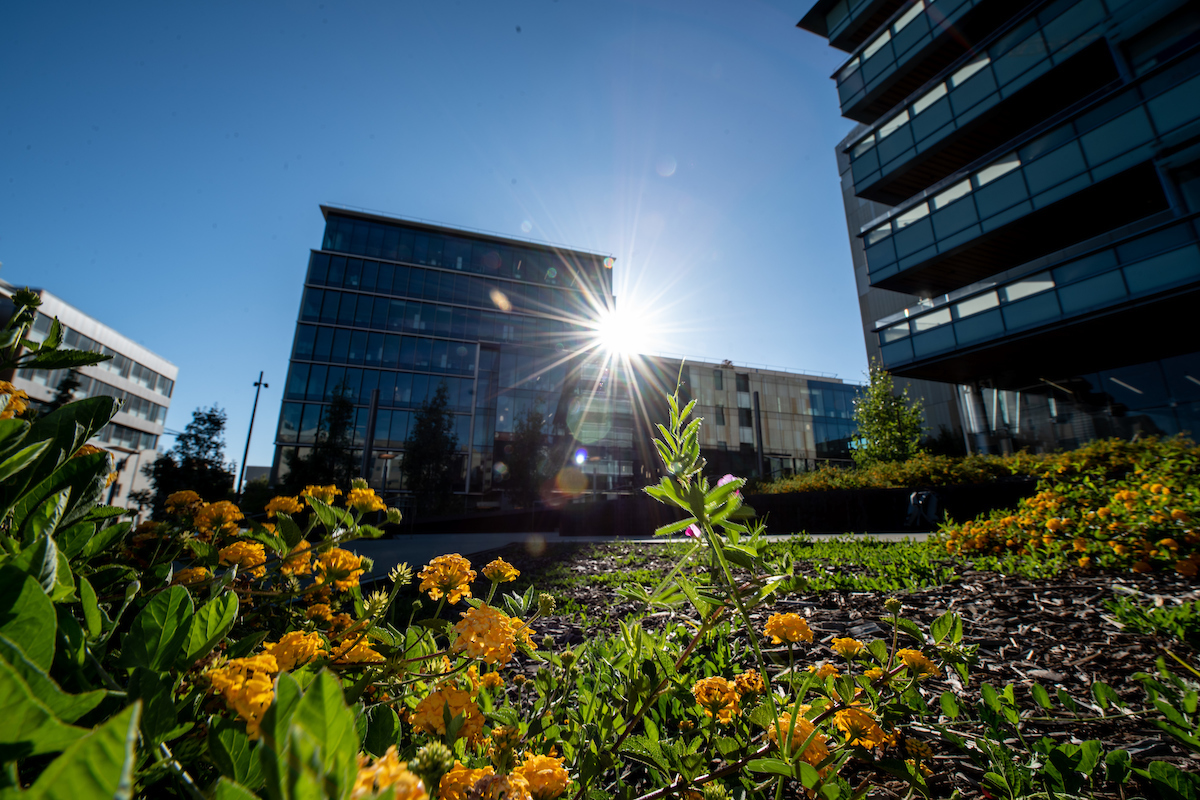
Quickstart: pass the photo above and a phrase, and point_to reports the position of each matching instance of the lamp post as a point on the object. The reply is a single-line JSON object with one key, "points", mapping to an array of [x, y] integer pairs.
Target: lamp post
{"points": [[258, 387]]}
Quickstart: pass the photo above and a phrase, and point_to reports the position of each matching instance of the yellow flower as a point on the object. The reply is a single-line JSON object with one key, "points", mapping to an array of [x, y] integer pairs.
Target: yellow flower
{"points": [[847, 647], [859, 728], [18, 400], [295, 649], [364, 500], [323, 493], [285, 505], [248, 687], [339, 568], [1080, 544], [546, 776], [824, 671], [186, 577], [320, 611], [918, 662], [500, 571], [298, 560], [486, 634], [182, 502], [1186, 567], [448, 575], [1141, 566], [387, 772], [218, 518], [493, 680], [249, 557], [749, 682], [502, 787], [789, 627], [817, 749], [718, 697], [1055, 525], [1085, 561], [459, 781], [428, 714], [356, 650]]}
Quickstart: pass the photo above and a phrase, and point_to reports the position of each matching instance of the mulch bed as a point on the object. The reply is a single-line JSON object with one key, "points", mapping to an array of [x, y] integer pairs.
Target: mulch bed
{"points": [[1057, 633]]}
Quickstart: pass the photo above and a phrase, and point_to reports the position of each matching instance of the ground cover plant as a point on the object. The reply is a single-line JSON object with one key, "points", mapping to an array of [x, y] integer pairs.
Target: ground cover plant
{"points": [[213, 656]]}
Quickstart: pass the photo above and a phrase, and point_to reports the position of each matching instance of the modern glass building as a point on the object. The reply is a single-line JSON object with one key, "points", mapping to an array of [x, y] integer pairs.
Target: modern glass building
{"points": [[1023, 197], [507, 326]]}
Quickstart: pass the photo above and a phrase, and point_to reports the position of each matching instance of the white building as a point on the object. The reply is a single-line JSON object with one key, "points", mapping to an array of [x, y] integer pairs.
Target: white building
{"points": [[135, 375]]}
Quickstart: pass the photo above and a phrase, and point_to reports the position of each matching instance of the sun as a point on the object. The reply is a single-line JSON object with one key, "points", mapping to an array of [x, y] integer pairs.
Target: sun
{"points": [[621, 333]]}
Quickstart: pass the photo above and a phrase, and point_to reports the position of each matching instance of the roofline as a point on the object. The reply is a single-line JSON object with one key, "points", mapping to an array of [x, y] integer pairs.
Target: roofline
{"points": [[440, 227], [814, 20]]}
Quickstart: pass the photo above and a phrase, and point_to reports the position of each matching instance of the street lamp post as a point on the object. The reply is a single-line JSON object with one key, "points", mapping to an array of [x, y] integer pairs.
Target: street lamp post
{"points": [[258, 387]]}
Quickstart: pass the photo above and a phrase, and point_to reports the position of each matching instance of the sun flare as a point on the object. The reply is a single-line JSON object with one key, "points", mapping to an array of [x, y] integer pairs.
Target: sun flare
{"points": [[622, 333]]}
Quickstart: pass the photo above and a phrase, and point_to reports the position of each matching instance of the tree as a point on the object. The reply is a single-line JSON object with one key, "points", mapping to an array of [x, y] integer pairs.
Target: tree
{"points": [[331, 459], [65, 391], [196, 462], [526, 464], [430, 452], [889, 425]]}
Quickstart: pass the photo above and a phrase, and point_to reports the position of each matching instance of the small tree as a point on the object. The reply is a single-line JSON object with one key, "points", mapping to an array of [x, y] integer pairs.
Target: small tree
{"points": [[430, 452], [331, 460], [526, 464], [65, 391], [889, 425], [196, 462]]}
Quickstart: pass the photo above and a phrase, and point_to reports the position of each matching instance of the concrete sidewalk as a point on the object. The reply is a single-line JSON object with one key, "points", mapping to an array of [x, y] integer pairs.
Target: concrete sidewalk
{"points": [[419, 549]]}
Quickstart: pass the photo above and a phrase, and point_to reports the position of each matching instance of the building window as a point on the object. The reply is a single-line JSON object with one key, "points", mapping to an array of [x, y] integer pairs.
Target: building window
{"points": [[720, 415], [745, 418], [743, 383], [719, 383]]}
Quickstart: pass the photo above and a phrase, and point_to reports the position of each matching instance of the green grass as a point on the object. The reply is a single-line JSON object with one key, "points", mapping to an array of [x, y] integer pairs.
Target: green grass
{"points": [[858, 564], [1180, 622]]}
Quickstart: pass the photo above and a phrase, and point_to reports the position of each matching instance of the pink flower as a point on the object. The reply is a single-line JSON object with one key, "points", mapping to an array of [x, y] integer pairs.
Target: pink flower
{"points": [[693, 531], [727, 479]]}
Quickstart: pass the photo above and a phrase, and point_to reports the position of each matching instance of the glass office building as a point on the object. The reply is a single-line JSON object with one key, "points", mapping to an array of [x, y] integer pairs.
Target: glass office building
{"points": [[1023, 197], [507, 326]]}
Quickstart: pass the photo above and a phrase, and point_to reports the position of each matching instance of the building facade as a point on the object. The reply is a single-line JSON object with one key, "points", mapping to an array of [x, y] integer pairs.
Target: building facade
{"points": [[507, 326], [1023, 194], [141, 379]]}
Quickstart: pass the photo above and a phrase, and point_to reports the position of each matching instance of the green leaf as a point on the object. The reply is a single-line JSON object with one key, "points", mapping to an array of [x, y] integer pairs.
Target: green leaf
{"points": [[100, 764], [1105, 695], [206, 554], [39, 560], [911, 628], [383, 730], [771, 766], [228, 790], [323, 715], [44, 520], [1040, 695], [158, 707], [288, 529], [72, 540], [27, 616], [100, 542], [159, 631], [944, 626], [1170, 782], [996, 784], [674, 527], [1119, 766], [949, 705], [84, 476], [234, 753], [209, 626], [66, 707], [12, 432], [91, 608], [332, 518], [990, 698], [21, 459], [30, 727], [63, 359]]}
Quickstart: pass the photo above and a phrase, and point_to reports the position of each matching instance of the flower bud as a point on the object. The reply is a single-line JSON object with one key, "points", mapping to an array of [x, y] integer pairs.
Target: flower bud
{"points": [[394, 516], [568, 659], [892, 605], [432, 762], [358, 483], [545, 604]]}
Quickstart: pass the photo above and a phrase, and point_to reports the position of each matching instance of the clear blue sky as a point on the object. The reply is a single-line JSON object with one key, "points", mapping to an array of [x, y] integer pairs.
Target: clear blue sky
{"points": [[161, 165]]}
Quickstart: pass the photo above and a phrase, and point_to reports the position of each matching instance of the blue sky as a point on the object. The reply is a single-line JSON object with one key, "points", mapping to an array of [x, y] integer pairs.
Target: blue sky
{"points": [[163, 164]]}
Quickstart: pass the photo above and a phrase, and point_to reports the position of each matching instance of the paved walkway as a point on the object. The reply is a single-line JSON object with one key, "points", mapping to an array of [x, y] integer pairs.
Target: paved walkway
{"points": [[418, 549]]}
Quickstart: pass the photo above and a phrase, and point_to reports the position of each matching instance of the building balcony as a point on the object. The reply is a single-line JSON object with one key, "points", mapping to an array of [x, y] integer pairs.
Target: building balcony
{"points": [[1067, 183], [921, 39], [1021, 76], [1108, 303], [847, 23]]}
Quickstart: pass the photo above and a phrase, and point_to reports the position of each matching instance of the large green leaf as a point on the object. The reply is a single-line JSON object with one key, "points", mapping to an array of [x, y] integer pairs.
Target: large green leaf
{"points": [[323, 715], [21, 459], [159, 631], [85, 477], [100, 764], [209, 626], [234, 753], [63, 359], [66, 707], [12, 433], [45, 518], [383, 729], [30, 727], [275, 732], [72, 540], [228, 790], [39, 560], [100, 542], [65, 428], [27, 616], [158, 707]]}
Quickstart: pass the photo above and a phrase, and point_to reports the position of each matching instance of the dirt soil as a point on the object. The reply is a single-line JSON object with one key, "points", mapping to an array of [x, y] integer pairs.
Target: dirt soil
{"points": [[1057, 633]]}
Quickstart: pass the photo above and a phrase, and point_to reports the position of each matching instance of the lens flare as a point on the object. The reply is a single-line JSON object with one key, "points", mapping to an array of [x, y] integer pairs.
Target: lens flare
{"points": [[500, 299], [666, 166]]}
